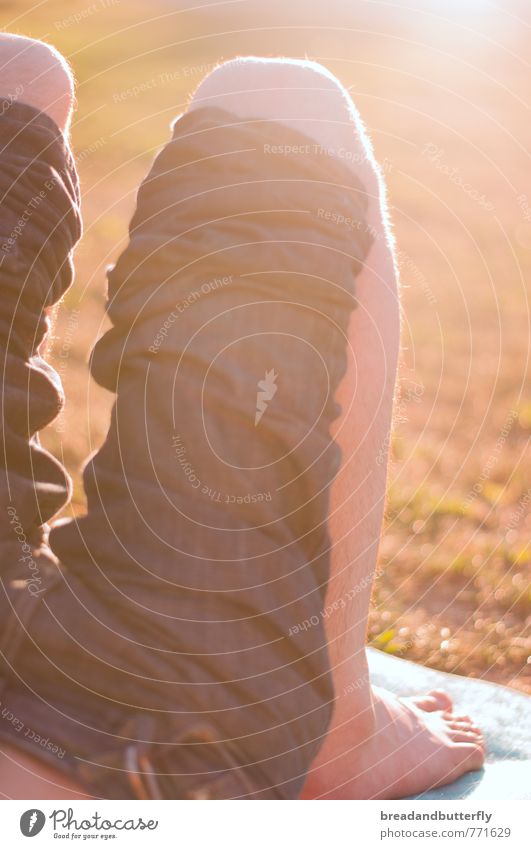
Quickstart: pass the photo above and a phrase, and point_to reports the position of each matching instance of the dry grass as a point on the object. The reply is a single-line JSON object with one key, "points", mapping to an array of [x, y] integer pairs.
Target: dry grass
{"points": [[446, 104]]}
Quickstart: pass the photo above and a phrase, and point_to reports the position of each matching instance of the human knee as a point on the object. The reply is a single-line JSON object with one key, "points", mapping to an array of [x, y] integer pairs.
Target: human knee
{"points": [[273, 82], [304, 95], [308, 97], [36, 73]]}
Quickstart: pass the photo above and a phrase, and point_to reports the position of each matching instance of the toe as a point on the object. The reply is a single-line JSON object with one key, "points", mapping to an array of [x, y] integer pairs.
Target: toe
{"points": [[461, 721], [462, 736], [473, 755], [459, 717], [434, 700], [443, 699], [460, 724]]}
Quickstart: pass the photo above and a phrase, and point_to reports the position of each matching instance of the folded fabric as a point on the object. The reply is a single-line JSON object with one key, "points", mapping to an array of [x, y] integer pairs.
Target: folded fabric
{"points": [[39, 224]]}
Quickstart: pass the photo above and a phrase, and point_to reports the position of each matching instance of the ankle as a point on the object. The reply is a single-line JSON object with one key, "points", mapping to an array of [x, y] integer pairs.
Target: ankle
{"points": [[354, 714], [352, 684]]}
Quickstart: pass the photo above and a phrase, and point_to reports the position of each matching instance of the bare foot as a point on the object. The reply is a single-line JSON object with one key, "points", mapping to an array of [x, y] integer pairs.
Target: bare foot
{"points": [[399, 748]]}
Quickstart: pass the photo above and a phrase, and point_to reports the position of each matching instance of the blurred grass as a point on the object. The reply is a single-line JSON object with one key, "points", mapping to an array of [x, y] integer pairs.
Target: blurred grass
{"points": [[446, 101]]}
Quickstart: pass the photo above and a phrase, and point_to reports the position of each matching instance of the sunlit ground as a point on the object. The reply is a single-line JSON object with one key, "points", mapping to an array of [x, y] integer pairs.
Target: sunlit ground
{"points": [[444, 92]]}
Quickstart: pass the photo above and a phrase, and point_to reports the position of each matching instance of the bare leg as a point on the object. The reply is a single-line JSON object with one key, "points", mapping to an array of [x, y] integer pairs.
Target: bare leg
{"points": [[35, 73], [375, 739], [378, 746]]}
